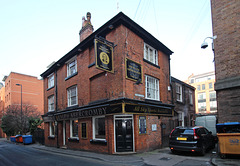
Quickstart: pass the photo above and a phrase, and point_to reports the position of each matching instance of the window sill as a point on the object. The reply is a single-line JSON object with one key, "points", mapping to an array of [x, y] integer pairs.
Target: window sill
{"points": [[51, 137], [154, 101], [73, 139], [50, 88], [145, 60], [97, 141], [71, 76]]}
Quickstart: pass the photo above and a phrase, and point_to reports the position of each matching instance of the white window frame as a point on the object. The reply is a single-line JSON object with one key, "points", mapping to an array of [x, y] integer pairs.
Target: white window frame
{"points": [[71, 127], [51, 129], [69, 95], [72, 66], [93, 125], [152, 88], [190, 97], [179, 92], [147, 54], [51, 103], [51, 80]]}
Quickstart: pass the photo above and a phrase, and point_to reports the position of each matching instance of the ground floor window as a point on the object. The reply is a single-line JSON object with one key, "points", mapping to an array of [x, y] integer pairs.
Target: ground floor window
{"points": [[73, 128], [84, 130], [99, 128], [51, 128]]}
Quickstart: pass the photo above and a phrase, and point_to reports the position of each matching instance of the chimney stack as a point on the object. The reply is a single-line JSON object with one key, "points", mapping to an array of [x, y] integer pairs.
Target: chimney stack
{"points": [[87, 28]]}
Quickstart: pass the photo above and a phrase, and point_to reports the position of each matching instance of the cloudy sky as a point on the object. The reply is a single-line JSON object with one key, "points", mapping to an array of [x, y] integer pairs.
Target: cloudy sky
{"points": [[35, 33]]}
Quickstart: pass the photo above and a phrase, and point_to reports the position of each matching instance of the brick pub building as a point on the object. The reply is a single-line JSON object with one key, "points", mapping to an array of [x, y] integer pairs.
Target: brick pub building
{"points": [[110, 93], [226, 25]]}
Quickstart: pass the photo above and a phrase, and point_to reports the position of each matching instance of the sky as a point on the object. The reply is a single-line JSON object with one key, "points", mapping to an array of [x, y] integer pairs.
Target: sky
{"points": [[34, 33]]}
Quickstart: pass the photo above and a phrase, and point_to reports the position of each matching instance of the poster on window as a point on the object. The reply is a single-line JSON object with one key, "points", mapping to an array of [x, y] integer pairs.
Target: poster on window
{"points": [[104, 56], [142, 125], [133, 70]]}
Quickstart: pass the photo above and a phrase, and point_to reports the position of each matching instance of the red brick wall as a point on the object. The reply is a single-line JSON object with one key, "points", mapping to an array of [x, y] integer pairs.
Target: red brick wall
{"points": [[225, 20], [152, 139], [94, 84]]}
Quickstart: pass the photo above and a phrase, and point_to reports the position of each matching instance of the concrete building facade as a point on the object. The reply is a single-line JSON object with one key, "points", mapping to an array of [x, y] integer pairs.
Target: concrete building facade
{"points": [[205, 95], [226, 26]]}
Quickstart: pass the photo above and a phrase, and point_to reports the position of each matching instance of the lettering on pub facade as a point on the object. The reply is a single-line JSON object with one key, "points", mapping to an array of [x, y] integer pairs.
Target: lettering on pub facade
{"points": [[110, 92]]}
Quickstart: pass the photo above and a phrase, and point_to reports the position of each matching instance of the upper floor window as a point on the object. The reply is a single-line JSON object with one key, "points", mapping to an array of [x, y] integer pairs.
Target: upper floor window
{"points": [[179, 92], [72, 96], [72, 67], [198, 87], [150, 54], [51, 81], [51, 103], [190, 97], [210, 85], [203, 86], [151, 88]]}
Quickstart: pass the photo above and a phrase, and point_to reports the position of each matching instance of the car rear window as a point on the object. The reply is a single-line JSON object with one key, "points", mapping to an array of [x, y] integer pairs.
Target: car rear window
{"points": [[182, 131]]}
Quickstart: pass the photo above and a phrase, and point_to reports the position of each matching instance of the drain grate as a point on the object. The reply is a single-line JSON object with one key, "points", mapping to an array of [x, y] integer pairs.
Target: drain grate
{"points": [[165, 158]]}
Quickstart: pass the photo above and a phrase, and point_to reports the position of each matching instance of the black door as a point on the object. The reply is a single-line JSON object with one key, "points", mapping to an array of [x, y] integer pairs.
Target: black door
{"points": [[124, 135]]}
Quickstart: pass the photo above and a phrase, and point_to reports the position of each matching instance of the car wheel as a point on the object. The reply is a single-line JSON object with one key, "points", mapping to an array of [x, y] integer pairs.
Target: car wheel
{"points": [[203, 150]]}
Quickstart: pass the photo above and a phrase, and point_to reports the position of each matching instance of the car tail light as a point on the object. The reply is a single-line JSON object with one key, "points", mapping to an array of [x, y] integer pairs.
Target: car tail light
{"points": [[171, 133], [195, 135]]}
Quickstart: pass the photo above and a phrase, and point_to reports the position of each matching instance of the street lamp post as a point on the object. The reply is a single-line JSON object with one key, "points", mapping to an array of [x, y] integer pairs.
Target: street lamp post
{"points": [[21, 104]]}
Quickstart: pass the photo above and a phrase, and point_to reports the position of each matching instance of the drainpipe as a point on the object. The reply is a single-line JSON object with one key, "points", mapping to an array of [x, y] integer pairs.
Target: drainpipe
{"points": [[56, 104], [170, 80]]}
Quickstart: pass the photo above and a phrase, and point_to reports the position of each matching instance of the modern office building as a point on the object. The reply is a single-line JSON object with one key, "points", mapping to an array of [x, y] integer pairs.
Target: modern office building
{"points": [[205, 95]]}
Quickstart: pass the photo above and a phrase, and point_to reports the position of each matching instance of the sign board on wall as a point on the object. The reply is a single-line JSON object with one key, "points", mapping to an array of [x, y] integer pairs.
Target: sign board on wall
{"points": [[104, 55], [133, 70]]}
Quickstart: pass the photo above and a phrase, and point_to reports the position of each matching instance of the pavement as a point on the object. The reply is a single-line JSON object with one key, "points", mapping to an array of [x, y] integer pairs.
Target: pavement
{"points": [[158, 157]]}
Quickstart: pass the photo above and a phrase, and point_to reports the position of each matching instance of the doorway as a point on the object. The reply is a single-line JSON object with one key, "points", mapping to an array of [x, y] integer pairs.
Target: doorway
{"points": [[124, 133], [64, 133]]}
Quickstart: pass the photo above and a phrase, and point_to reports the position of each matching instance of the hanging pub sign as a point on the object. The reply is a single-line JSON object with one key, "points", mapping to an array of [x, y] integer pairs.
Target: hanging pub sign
{"points": [[104, 55], [133, 70]]}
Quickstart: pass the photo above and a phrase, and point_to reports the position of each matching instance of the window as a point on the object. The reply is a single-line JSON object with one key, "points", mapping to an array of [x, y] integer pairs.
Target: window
{"points": [[99, 128], [51, 81], [150, 54], [210, 85], [72, 67], [142, 125], [51, 103], [181, 118], [213, 101], [190, 97], [72, 96], [151, 88], [201, 102], [84, 130], [179, 92], [51, 128], [198, 87], [203, 86], [73, 128]]}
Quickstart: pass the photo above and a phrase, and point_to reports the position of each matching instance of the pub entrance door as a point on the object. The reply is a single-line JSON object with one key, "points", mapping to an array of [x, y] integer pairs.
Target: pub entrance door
{"points": [[124, 133]]}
